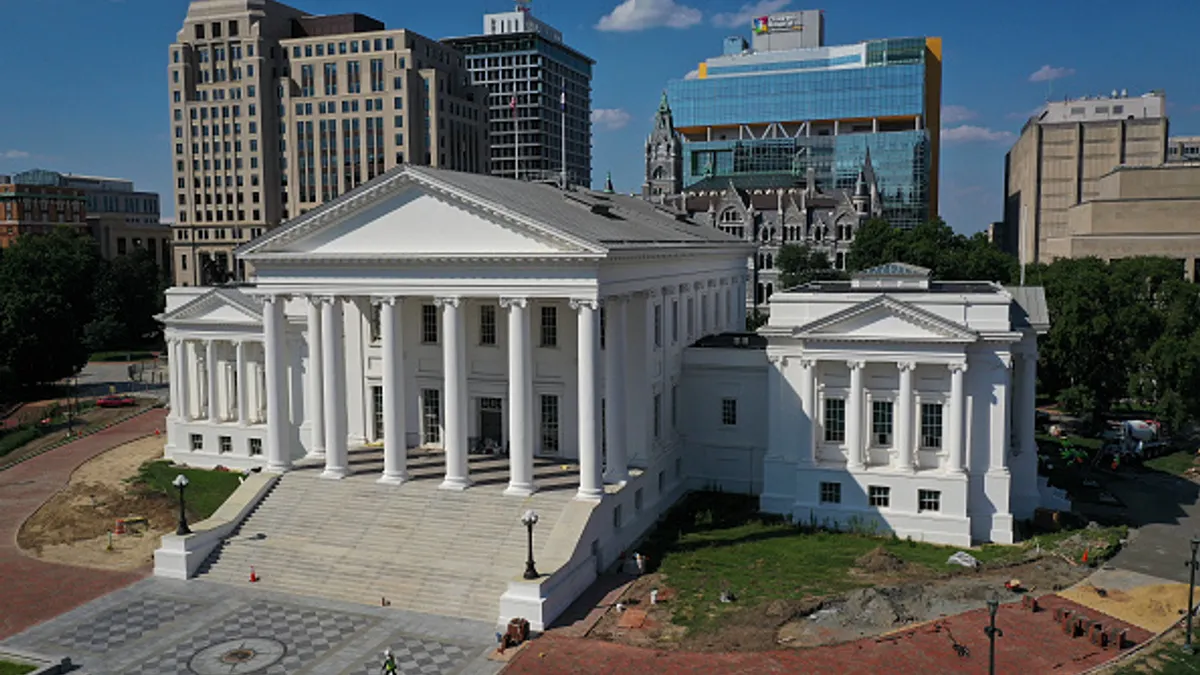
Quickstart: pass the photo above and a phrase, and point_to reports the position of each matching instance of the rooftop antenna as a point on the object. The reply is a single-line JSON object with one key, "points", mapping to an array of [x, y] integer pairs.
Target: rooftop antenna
{"points": [[524, 5]]}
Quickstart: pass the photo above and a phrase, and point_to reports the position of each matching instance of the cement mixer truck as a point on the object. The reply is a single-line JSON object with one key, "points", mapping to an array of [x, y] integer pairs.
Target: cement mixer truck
{"points": [[1135, 440]]}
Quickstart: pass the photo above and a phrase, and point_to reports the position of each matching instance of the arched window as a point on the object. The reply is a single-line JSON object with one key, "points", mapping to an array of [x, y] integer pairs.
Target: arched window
{"points": [[759, 296], [770, 290], [770, 261], [659, 173], [731, 215]]}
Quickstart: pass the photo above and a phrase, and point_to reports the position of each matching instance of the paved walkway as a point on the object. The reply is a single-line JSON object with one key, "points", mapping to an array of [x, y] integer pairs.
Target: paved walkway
{"points": [[1167, 513], [1031, 643], [34, 591], [163, 627]]}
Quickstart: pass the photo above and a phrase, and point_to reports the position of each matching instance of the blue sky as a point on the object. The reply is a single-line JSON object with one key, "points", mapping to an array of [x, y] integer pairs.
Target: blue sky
{"points": [[97, 101]]}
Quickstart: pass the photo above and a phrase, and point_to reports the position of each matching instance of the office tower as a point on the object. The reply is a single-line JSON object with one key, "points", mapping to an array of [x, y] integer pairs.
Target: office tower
{"points": [[1063, 152], [275, 111], [767, 115], [532, 78]]}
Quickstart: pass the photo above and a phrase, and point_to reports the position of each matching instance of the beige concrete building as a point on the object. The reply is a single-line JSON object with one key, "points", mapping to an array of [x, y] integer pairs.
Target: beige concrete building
{"points": [[1063, 153], [1137, 211], [275, 112]]}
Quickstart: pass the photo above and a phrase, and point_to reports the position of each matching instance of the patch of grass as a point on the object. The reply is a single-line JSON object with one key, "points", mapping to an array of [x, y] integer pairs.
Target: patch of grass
{"points": [[206, 490], [17, 438], [1174, 463], [10, 668], [126, 355], [1167, 660]]}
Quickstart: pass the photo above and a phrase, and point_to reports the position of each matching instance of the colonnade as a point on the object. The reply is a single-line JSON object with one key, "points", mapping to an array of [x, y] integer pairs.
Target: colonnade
{"points": [[211, 392]]}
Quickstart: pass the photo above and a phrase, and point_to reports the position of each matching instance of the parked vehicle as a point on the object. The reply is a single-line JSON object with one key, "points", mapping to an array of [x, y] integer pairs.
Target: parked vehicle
{"points": [[115, 401]]}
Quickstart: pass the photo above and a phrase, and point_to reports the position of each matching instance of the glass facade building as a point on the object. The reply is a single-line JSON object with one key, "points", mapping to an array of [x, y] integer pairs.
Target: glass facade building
{"points": [[783, 112]]}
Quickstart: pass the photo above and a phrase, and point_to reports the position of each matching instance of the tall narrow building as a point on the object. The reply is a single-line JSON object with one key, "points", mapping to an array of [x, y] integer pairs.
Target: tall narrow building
{"points": [[535, 82], [664, 157], [275, 111]]}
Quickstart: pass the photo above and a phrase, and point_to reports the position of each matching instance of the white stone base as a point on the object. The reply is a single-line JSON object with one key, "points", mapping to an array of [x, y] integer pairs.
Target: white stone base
{"points": [[178, 557]]}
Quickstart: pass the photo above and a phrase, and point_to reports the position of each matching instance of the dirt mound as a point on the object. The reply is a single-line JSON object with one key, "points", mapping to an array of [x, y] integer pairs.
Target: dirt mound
{"points": [[879, 561]]}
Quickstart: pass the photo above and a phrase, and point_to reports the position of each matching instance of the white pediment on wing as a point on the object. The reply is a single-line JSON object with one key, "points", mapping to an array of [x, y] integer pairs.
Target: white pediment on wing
{"points": [[886, 319], [217, 307]]}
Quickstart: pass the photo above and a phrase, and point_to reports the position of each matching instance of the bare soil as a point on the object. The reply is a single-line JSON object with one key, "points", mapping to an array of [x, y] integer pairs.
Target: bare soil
{"points": [[900, 595], [72, 526]]}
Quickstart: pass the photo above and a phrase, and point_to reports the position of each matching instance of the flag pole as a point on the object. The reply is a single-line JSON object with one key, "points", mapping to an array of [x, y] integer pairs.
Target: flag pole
{"points": [[563, 135]]}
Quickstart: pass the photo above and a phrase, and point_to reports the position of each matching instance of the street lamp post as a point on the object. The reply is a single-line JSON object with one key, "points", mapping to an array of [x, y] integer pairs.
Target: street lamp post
{"points": [[1192, 564], [530, 519], [181, 482], [992, 632]]}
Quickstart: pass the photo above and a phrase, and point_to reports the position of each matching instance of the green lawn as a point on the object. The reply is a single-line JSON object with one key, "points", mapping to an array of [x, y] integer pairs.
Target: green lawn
{"points": [[1170, 660], [206, 490], [711, 542], [10, 668], [131, 355], [1176, 462], [11, 440]]}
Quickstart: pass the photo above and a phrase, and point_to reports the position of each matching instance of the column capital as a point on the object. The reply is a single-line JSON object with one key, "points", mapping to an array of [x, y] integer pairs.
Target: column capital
{"points": [[653, 292], [779, 359], [808, 363], [957, 367], [712, 283], [616, 298], [509, 303], [325, 299], [906, 366], [684, 288], [855, 365], [393, 300], [668, 290], [454, 301], [268, 298], [723, 281], [698, 285], [583, 303]]}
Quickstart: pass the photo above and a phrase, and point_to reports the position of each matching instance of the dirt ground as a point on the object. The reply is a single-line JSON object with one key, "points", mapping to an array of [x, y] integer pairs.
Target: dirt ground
{"points": [[898, 597], [72, 527]]}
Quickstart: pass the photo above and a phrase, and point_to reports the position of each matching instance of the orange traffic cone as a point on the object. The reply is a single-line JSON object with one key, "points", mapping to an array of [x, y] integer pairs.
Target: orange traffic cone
{"points": [[1085, 555], [253, 576]]}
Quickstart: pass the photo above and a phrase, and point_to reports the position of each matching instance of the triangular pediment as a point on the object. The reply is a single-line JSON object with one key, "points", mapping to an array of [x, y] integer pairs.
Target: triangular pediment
{"points": [[409, 214], [886, 319], [217, 307]]}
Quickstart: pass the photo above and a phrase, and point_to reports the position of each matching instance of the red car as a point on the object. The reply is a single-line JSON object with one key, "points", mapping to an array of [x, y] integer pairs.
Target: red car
{"points": [[115, 401]]}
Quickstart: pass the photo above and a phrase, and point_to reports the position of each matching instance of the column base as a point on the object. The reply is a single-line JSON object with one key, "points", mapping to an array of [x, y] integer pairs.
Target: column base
{"points": [[589, 495], [520, 489], [456, 484], [397, 479], [281, 467], [616, 477], [335, 473], [955, 471], [315, 454]]}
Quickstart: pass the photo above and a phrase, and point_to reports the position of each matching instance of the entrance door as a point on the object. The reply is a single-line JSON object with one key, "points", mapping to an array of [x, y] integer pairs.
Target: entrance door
{"points": [[491, 423]]}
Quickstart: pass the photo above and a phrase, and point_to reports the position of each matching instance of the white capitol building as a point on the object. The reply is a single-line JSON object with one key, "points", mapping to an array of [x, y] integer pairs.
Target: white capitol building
{"points": [[480, 343]]}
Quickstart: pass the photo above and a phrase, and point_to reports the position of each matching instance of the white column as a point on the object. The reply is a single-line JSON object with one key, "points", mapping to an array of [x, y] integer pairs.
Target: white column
{"points": [[954, 430], [333, 380], [776, 438], [854, 416], [905, 418], [395, 448], [275, 344], [616, 468], [316, 388], [243, 402], [867, 422], [808, 401], [454, 373], [210, 369], [520, 400], [177, 357], [590, 483], [1028, 411]]}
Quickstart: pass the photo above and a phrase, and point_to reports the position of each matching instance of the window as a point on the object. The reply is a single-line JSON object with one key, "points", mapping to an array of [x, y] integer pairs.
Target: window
{"points": [[929, 500], [657, 416], [549, 424], [197, 442], [931, 425], [429, 324], [691, 317], [879, 496], [487, 325], [662, 481], [549, 326], [637, 500], [377, 411], [617, 517], [225, 445], [674, 321], [674, 407], [658, 332], [729, 412], [831, 493], [431, 416], [881, 423], [835, 420], [375, 321], [255, 447]]}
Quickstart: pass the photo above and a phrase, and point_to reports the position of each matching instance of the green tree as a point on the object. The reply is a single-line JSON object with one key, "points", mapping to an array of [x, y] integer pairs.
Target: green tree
{"points": [[45, 302], [129, 293], [933, 245], [875, 243], [799, 264]]}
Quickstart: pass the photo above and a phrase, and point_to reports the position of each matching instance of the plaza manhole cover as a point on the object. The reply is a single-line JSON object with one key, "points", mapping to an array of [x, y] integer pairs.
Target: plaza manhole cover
{"points": [[236, 657]]}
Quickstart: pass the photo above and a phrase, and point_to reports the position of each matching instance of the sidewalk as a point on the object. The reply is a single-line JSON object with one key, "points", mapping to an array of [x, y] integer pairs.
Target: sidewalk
{"points": [[35, 591]]}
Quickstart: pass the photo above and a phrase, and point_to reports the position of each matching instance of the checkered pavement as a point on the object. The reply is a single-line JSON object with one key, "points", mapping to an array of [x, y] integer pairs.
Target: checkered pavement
{"points": [[125, 624], [306, 633], [420, 657]]}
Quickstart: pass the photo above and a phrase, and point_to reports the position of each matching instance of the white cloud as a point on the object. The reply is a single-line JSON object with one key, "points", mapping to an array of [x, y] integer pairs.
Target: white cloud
{"points": [[692, 74], [610, 119], [1048, 73], [748, 12], [967, 133], [633, 15], [953, 114], [14, 154]]}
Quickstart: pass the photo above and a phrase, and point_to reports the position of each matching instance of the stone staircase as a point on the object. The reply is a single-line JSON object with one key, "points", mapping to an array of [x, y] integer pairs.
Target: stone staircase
{"points": [[424, 549]]}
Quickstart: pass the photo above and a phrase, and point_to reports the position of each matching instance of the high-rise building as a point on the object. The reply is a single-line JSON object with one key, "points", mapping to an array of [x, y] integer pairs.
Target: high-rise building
{"points": [[790, 104], [535, 83], [1183, 149], [275, 111], [1063, 152]]}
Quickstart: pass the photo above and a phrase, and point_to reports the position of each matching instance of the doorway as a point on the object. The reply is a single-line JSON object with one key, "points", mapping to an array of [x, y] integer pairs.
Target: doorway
{"points": [[491, 422]]}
